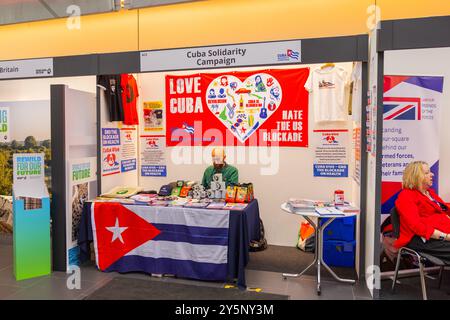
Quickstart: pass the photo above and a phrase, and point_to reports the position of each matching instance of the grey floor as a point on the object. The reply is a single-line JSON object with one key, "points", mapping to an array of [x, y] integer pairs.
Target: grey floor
{"points": [[54, 286]]}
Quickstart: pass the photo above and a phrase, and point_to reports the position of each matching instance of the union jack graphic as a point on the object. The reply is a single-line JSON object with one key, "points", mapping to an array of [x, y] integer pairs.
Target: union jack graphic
{"points": [[396, 108]]}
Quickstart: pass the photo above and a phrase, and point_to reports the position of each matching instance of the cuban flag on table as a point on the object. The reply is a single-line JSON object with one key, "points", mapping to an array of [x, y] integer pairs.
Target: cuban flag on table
{"points": [[171, 240], [410, 130]]}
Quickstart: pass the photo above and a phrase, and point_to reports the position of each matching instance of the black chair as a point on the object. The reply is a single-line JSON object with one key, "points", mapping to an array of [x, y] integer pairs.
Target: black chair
{"points": [[421, 256]]}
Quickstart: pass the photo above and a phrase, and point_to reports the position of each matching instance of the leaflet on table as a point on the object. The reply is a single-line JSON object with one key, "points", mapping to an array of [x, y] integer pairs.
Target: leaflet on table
{"points": [[196, 205], [328, 211], [235, 206], [216, 205], [348, 209], [144, 197]]}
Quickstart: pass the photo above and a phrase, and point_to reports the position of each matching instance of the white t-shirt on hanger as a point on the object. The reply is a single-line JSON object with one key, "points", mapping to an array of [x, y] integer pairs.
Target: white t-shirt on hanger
{"points": [[328, 88], [357, 91]]}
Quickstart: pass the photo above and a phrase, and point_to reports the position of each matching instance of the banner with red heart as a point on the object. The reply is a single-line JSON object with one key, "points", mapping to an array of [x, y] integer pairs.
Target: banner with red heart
{"points": [[255, 108]]}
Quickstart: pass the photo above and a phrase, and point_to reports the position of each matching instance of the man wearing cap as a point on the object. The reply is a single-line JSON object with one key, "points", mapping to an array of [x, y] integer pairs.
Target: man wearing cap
{"points": [[229, 173]]}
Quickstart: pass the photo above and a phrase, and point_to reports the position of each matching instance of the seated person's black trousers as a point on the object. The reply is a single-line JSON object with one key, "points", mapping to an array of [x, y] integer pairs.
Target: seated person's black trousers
{"points": [[439, 249]]}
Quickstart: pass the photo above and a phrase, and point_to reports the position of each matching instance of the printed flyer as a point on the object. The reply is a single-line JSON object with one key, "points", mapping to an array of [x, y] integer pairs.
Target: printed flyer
{"points": [[257, 108], [410, 130], [153, 157], [357, 155], [128, 139], [153, 112], [110, 151], [330, 153]]}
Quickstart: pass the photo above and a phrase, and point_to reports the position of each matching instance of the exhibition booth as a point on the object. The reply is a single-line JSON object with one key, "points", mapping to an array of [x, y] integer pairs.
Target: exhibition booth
{"points": [[415, 93], [287, 113]]}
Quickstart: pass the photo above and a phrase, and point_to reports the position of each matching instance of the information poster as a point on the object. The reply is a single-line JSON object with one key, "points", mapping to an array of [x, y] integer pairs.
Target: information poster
{"points": [[28, 167], [153, 149], [410, 130], [4, 125], [257, 108], [81, 173], [330, 153], [153, 112], [128, 147], [357, 155], [110, 151]]}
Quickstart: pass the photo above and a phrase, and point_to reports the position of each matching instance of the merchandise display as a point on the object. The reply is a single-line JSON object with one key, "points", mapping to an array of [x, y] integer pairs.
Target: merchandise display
{"points": [[217, 190], [130, 93], [121, 192], [327, 84], [230, 195], [113, 90]]}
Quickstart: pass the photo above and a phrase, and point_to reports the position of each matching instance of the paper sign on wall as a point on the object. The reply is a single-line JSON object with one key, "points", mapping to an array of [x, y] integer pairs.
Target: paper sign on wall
{"points": [[4, 125], [153, 112], [153, 156], [330, 153], [110, 151], [128, 160], [357, 155]]}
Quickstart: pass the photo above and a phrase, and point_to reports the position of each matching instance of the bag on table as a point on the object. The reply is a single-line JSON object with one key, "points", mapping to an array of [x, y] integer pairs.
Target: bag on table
{"points": [[306, 238], [230, 194]]}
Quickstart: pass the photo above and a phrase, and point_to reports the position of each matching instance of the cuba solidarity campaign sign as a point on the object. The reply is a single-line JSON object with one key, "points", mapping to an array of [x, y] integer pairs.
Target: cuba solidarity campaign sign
{"points": [[255, 108], [410, 130]]}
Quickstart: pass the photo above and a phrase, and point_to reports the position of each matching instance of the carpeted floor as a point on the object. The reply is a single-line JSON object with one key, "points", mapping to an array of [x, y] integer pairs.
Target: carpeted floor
{"points": [[138, 289], [290, 260]]}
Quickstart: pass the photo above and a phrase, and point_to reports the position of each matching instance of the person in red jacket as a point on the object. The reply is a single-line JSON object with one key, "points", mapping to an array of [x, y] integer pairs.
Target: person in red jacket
{"points": [[424, 217]]}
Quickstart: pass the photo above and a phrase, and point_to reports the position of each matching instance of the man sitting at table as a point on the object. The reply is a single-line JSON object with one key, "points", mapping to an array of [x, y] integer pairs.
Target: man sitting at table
{"points": [[229, 173]]}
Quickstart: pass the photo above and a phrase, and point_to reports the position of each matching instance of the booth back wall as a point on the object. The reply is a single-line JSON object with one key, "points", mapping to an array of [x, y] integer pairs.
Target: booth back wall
{"points": [[429, 62], [293, 176]]}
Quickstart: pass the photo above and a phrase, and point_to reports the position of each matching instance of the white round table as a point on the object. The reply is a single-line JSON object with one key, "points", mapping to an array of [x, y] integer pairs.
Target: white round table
{"points": [[318, 252]]}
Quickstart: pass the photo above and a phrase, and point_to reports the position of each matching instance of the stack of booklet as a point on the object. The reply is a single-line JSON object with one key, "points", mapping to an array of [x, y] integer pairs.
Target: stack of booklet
{"points": [[329, 211], [302, 204]]}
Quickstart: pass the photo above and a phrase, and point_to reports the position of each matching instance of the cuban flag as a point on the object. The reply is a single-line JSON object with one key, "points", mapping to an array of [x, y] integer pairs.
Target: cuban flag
{"points": [[188, 128], [400, 108], [164, 240], [293, 54]]}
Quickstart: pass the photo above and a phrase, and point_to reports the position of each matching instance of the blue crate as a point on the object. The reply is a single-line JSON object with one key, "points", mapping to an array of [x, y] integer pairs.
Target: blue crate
{"points": [[339, 253], [340, 229]]}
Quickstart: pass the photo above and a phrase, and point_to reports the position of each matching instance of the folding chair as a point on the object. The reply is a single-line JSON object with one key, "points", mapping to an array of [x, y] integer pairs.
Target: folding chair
{"points": [[421, 256]]}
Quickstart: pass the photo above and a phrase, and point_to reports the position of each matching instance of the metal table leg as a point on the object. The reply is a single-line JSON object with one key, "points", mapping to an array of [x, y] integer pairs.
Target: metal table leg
{"points": [[316, 256]]}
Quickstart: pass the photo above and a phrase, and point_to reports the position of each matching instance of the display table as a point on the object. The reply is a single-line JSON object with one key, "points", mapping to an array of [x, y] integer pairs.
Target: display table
{"points": [[318, 252], [244, 226]]}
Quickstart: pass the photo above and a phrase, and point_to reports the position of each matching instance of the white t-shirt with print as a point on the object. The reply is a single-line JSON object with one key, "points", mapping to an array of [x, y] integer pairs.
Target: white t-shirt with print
{"points": [[328, 89]]}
